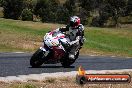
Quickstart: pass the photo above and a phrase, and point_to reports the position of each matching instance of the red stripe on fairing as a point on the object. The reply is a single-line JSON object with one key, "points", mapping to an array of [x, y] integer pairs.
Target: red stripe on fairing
{"points": [[59, 37], [50, 33]]}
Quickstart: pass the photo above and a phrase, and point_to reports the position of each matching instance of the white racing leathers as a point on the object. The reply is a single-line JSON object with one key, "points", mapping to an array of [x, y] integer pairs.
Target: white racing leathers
{"points": [[76, 36]]}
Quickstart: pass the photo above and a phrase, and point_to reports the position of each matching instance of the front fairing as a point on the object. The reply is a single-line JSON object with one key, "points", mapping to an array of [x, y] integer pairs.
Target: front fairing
{"points": [[52, 39]]}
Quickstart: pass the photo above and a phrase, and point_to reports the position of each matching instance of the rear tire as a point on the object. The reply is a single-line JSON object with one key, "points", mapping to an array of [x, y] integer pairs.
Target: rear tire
{"points": [[36, 59], [68, 62]]}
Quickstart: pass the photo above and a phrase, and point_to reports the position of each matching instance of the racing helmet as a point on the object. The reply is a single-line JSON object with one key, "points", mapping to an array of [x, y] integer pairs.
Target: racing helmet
{"points": [[74, 21]]}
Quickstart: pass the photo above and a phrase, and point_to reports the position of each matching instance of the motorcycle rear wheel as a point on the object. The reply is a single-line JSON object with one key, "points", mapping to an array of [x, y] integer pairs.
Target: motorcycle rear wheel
{"points": [[68, 62], [36, 59]]}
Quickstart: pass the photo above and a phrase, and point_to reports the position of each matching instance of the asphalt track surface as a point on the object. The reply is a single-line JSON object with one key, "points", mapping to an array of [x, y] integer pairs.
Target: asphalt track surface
{"points": [[14, 64]]}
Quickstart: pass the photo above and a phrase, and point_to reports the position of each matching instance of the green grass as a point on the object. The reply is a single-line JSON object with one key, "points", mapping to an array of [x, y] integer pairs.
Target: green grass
{"points": [[110, 40], [18, 35], [13, 26]]}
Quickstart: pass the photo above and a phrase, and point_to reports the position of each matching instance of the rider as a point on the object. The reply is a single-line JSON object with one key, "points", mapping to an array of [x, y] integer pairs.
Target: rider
{"points": [[75, 32]]}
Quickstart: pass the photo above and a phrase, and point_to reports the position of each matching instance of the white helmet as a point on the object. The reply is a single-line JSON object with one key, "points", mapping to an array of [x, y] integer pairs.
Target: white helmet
{"points": [[74, 21]]}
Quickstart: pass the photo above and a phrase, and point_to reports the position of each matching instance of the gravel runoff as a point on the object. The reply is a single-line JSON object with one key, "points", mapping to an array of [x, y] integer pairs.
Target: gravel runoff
{"points": [[43, 76]]}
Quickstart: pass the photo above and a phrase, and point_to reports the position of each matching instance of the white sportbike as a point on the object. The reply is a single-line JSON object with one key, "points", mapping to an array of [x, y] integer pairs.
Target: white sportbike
{"points": [[55, 49]]}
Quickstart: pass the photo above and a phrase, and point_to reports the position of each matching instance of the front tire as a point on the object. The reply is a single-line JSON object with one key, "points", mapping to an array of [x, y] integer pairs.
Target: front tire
{"points": [[36, 59]]}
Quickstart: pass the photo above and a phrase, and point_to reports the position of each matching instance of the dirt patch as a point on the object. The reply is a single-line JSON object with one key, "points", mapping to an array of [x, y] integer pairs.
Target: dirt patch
{"points": [[57, 83], [126, 26], [4, 85], [29, 45], [64, 82]]}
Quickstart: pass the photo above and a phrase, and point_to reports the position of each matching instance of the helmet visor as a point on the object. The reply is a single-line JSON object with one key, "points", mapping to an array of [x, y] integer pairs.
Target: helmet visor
{"points": [[72, 24]]}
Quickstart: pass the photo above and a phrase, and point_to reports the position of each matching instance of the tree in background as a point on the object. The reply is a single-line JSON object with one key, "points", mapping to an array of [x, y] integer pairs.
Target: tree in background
{"points": [[27, 12], [89, 10], [27, 15], [62, 15], [129, 8], [109, 9], [46, 9], [103, 15], [116, 9], [69, 9], [54, 5], [92, 12], [71, 6], [13, 8], [30, 4], [1, 2]]}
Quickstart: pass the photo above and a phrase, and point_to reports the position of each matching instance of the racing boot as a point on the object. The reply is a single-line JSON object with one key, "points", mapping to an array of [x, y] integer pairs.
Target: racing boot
{"points": [[71, 56]]}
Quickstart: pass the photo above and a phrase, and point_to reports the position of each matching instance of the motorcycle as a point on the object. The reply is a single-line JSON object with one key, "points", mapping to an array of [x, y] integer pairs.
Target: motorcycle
{"points": [[55, 49]]}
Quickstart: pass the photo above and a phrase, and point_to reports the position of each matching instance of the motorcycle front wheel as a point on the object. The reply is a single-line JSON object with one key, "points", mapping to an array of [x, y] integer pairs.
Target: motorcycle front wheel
{"points": [[36, 60]]}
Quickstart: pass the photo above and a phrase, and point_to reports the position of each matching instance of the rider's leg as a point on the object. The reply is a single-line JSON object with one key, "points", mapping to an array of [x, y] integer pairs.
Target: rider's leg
{"points": [[72, 53]]}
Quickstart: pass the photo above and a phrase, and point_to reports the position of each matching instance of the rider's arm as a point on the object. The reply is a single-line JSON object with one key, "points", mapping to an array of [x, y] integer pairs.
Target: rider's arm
{"points": [[80, 30], [79, 36], [75, 41], [82, 39]]}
